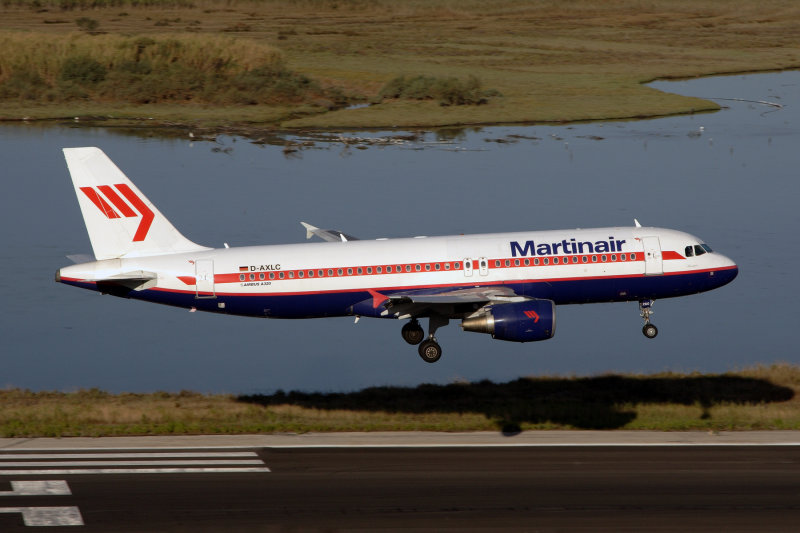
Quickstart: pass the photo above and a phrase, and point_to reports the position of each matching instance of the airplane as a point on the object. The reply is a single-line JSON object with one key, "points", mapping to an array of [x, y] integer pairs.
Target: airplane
{"points": [[506, 285]]}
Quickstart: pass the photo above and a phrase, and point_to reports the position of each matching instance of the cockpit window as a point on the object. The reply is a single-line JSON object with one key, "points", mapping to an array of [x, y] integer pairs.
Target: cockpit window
{"points": [[706, 247], [689, 252], [698, 250]]}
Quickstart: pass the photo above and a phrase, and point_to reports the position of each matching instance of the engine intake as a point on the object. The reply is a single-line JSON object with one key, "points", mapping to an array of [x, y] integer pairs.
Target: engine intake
{"points": [[533, 320]]}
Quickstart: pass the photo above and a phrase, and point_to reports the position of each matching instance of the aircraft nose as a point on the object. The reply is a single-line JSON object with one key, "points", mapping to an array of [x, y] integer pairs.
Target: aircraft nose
{"points": [[728, 270]]}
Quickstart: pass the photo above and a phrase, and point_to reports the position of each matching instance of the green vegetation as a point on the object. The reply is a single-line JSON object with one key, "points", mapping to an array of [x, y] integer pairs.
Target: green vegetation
{"points": [[756, 398], [447, 91], [156, 69], [543, 60]]}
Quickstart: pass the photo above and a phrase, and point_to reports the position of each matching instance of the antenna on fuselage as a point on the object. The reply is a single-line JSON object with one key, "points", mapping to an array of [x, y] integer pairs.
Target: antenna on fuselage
{"points": [[637, 223]]}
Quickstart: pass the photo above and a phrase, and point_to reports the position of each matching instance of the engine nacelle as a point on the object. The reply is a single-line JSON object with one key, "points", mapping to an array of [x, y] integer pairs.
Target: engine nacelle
{"points": [[533, 320]]}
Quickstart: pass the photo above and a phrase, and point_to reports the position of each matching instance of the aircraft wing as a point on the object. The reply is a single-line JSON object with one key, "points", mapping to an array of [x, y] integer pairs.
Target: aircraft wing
{"points": [[331, 235], [451, 302]]}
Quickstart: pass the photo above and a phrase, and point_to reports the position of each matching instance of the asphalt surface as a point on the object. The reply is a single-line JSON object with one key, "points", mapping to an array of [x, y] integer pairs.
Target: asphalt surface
{"points": [[527, 488]]}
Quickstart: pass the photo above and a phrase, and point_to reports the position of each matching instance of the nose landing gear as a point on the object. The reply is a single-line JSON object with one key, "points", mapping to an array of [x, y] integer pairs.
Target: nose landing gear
{"points": [[645, 310]]}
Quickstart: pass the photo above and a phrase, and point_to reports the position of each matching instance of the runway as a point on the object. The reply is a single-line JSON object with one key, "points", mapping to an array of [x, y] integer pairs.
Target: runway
{"points": [[603, 487]]}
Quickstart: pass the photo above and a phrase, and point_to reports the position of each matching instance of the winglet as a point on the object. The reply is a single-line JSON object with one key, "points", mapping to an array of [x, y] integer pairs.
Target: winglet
{"points": [[309, 229], [330, 235]]}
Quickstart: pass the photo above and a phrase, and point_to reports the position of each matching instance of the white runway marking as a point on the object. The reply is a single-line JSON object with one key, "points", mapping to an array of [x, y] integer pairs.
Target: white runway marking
{"points": [[145, 455], [142, 462], [64, 472], [47, 516], [94, 462], [38, 488]]}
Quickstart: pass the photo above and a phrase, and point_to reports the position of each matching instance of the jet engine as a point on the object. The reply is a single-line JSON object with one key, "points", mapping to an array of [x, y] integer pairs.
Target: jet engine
{"points": [[532, 320]]}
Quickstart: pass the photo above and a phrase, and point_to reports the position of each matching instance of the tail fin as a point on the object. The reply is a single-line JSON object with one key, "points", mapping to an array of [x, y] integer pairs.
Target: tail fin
{"points": [[120, 220]]}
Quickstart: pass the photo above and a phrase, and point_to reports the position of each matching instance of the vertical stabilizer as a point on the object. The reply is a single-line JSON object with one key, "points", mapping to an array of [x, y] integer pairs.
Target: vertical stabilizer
{"points": [[121, 221]]}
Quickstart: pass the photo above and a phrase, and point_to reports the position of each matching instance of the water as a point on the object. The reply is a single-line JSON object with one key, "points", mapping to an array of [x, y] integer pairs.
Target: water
{"points": [[732, 182]]}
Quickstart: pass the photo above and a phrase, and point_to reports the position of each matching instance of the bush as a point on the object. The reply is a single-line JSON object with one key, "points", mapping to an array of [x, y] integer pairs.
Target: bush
{"points": [[448, 91], [83, 70], [88, 25]]}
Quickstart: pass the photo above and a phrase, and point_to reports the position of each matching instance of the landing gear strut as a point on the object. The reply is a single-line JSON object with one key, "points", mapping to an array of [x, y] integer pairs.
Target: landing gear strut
{"points": [[645, 310], [429, 350]]}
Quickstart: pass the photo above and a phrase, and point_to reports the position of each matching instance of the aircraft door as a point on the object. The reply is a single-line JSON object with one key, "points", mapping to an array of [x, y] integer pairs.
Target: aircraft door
{"points": [[468, 267], [204, 278], [653, 264], [483, 265]]}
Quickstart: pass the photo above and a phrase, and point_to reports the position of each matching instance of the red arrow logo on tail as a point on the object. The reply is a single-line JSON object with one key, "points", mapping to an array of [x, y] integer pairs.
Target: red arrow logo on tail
{"points": [[124, 208]]}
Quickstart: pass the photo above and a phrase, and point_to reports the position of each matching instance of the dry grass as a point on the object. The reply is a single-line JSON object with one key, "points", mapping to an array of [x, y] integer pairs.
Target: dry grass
{"points": [[764, 397], [551, 61]]}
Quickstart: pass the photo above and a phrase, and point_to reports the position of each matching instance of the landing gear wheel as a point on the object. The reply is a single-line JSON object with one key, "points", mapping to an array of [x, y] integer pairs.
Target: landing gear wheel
{"points": [[430, 351], [412, 333], [650, 331]]}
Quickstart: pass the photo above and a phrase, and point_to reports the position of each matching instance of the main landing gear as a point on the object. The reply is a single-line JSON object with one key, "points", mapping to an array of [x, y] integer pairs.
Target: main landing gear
{"points": [[645, 310], [429, 349]]}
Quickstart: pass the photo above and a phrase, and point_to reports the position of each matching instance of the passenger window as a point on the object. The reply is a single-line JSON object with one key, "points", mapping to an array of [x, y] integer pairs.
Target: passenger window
{"points": [[389, 269], [349, 271], [527, 262], [408, 268], [320, 273], [241, 277], [447, 266], [516, 262], [497, 263], [272, 275], [555, 260], [508, 263], [438, 266], [360, 271], [291, 275], [546, 261], [585, 259], [536, 261], [369, 270], [428, 267], [574, 258], [379, 270], [281, 275], [261, 275]]}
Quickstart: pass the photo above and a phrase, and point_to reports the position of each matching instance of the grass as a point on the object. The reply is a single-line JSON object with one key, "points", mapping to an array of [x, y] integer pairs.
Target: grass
{"points": [[543, 61], [759, 398]]}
